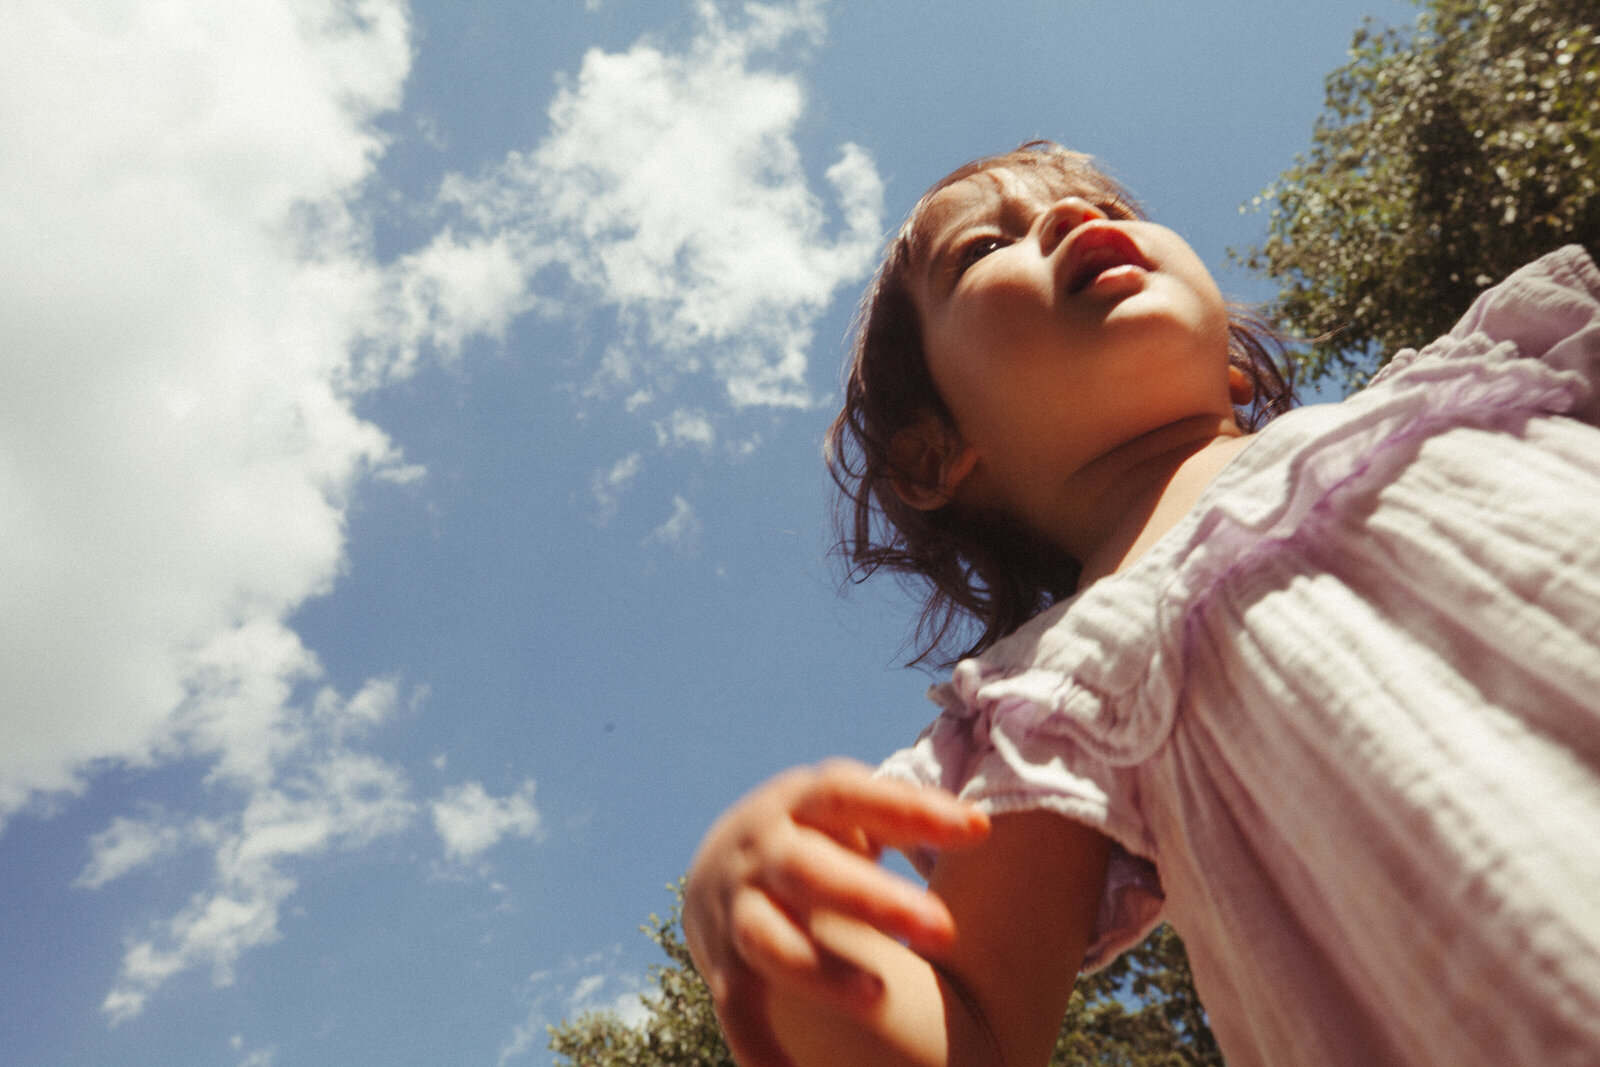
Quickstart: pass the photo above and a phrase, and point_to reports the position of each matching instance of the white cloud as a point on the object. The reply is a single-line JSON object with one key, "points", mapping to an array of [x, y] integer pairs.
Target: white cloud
{"points": [[628, 1006], [631, 1009], [609, 485], [681, 530], [470, 821], [586, 988], [176, 448], [670, 191], [686, 428], [184, 288], [129, 844], [452, 290], [319, 793], [609, 989], [257, 1058]]}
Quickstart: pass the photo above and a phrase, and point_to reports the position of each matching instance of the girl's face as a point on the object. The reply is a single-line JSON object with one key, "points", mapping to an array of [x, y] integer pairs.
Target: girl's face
{"points": [[1057, 329]]}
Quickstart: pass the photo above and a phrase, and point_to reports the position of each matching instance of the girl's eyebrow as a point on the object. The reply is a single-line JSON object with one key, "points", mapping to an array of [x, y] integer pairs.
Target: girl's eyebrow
{"points": [[1011, 215], [957, 220]]}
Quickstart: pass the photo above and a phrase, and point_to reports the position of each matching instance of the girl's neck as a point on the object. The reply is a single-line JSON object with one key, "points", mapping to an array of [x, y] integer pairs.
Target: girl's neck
{"points": [[1154, 493]]}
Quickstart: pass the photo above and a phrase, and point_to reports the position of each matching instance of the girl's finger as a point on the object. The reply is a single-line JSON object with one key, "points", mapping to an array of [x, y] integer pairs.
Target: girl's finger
{"points": [[812, 872], [769, 944], [766, 938], [844, 798]]}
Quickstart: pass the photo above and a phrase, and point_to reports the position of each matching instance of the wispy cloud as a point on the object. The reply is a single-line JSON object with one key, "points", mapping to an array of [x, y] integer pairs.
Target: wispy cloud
{"points": [[448, 292], [129, 844], [670, 192], [682, 529], [610, 484], [256, 1058], [670, 197], [596, 983], [319, 793], [599, 993], [684, 427], [470, 822]]}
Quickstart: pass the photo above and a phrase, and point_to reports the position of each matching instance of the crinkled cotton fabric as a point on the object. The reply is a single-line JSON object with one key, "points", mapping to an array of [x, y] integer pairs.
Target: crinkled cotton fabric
{"points": [[1343, 722]]}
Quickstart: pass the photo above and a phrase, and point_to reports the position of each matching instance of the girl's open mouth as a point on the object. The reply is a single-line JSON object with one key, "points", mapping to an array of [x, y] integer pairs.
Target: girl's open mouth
{"points": [[1096, 251]]}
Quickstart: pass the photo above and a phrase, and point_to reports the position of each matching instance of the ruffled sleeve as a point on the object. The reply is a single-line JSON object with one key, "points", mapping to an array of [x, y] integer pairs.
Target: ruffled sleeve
{"points": [[1058, 718]]}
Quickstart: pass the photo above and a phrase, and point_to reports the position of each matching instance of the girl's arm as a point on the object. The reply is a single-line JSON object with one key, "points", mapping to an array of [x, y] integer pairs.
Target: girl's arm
{"points": [[803, 938]]}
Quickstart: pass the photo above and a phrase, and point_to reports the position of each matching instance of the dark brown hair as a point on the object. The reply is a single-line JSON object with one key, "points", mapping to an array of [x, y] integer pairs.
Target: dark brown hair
{"points": [[971, 570]]}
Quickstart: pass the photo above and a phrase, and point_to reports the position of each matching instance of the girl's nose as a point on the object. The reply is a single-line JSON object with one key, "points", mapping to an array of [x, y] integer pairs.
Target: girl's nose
{"points": [[1064, 216]]}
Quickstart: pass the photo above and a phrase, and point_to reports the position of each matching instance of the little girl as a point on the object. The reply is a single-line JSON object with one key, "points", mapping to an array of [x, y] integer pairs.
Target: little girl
{"points": [[1324, 696]]}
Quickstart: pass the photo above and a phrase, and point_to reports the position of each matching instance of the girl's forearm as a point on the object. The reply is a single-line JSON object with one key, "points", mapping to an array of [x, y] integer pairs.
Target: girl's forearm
{"points": [[922, 1019], [1024, 904]]}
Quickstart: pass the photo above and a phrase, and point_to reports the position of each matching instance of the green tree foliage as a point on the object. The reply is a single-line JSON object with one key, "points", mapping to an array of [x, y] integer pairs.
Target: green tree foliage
{"points": [[1449, 153], [1142, 1011], [681, 1030]]}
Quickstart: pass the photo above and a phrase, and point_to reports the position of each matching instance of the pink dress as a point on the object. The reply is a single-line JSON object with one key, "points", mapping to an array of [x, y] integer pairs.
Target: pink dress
{"points": [[1343, 721]]}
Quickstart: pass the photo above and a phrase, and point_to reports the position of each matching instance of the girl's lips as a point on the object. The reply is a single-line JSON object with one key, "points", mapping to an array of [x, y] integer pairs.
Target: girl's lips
{"points": [[1094, 248]]}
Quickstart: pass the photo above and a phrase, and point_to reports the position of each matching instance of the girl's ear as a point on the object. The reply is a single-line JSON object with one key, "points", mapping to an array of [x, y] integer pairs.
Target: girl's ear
{"points": [[1241, 390], [927, 462]]}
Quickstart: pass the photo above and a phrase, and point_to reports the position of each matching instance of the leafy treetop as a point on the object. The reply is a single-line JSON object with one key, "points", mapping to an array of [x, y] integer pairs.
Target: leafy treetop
{"points": [[1449, 154]]}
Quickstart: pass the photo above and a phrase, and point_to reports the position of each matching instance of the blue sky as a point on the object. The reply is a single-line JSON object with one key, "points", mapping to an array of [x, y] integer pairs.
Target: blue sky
{"points": [[410, 494]]}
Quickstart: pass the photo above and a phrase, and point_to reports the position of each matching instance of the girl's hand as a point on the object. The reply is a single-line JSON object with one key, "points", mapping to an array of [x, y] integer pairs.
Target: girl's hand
{"points": [[805, 843]]}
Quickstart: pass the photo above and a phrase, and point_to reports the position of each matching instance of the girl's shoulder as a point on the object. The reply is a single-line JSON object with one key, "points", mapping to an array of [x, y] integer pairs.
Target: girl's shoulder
{"points": [[1549, 310], [1527, 347]]}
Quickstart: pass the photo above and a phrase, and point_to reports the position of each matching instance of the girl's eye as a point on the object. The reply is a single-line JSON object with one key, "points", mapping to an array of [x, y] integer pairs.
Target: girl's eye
{"points": [[976, 249]]}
